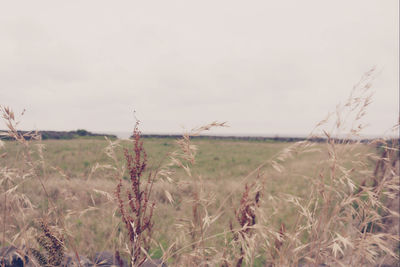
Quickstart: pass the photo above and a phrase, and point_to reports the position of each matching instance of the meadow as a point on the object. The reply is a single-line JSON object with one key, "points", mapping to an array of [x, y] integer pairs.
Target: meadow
{"points": [[80, 179], [75, 169], [203, 202]]}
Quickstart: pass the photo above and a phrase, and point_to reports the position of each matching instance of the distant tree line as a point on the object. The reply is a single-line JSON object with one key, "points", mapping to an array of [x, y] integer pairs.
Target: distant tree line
{"points": [[65, 135], [262, 138], [59, 135]]}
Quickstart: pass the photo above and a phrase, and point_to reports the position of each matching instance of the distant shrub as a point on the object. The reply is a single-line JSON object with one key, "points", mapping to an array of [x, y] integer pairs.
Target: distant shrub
{"points": [[45, 136], [82, 132]]}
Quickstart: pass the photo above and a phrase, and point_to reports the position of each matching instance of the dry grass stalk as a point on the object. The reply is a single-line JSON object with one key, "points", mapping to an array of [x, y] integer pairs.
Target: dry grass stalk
{"points": [[246, 217], [137, 211], [200, 200], [31, 166], [338, 220]]}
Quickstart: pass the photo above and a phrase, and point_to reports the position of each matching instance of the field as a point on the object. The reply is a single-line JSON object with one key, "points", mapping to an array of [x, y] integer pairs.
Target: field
{"points": [[204, 202], [221, 164], [79, 179]]}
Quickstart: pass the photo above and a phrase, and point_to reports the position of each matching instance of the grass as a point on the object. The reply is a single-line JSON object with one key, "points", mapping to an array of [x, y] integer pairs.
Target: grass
{"points": [[217, 202], [222, 164], [216, 159]]}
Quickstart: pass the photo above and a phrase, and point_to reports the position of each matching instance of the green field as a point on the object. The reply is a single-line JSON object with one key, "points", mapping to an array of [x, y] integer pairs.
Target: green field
{"points": [[85, 201]]}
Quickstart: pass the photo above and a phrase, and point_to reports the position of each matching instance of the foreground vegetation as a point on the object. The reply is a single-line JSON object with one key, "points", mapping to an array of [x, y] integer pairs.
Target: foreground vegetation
{"points": [[206, 202]]}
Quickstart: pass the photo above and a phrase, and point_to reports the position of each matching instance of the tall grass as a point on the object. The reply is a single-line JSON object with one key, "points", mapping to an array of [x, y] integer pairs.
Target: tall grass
{"points": [[341, 208]]}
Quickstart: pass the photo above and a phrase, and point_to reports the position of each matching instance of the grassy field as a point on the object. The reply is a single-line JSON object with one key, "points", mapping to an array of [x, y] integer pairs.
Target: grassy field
{"points": [[199, 202], [84, 193]]}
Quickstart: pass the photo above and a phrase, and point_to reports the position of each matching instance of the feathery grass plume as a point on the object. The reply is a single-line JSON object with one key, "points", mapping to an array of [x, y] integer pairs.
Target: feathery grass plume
{"points": [[52, 243], [17, 208], [137, 211], [337, 224], [385, 182], [197, 225], [246, 217], [29, 164]]}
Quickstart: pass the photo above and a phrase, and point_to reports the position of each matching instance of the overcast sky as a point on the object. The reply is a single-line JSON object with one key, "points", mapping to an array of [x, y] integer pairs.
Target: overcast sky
{"points": [[265, 67]]}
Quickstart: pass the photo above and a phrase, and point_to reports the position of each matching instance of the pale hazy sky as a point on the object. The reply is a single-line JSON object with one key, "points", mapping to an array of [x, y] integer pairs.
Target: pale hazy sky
{"points": [[265, 67]]}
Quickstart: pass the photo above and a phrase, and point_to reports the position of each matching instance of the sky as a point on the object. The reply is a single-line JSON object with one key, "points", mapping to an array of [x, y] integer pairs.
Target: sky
{"points": [[264, 67]]}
